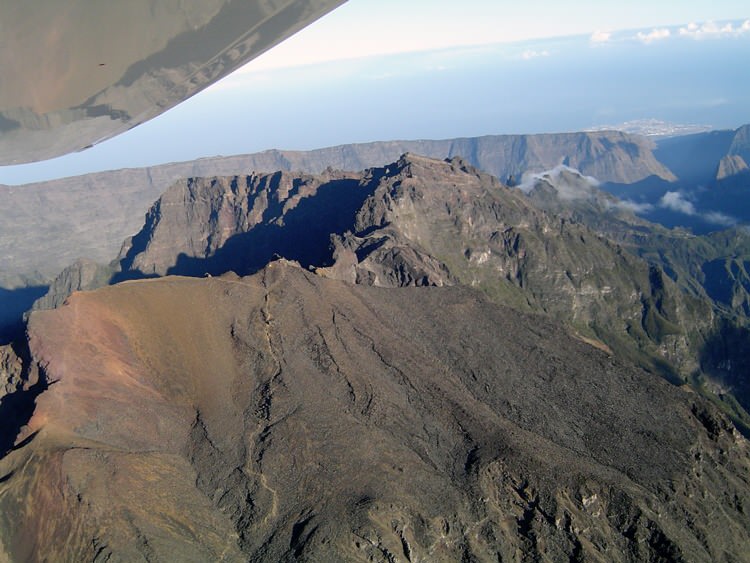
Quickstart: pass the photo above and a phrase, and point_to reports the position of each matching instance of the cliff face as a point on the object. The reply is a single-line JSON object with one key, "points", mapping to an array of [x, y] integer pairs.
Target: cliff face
{"points": [[610, 156], [286, 416], [201, 218], [704, 158], [45, 227], [741, 143], [729, 166], [79, 276]]}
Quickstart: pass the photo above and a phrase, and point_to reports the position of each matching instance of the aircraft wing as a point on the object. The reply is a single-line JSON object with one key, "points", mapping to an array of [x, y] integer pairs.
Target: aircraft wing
{"points": [[76, 72]]}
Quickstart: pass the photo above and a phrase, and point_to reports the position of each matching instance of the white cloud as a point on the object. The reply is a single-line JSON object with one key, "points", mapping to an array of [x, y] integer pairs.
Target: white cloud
{"points": [[531, 54], [677, 202], [654, 35], [712, 29], [600, 36], [634, 206], [720, 218], [569, 183]]}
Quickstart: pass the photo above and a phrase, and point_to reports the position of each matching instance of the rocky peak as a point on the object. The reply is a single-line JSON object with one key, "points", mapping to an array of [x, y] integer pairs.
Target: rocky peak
{"points": [[741, 143], [731, 165], [463, 226]]}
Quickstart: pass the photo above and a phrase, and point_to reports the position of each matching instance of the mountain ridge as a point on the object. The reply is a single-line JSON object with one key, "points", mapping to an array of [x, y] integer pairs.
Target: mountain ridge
{"points": [[114, 202], [418, 221]]}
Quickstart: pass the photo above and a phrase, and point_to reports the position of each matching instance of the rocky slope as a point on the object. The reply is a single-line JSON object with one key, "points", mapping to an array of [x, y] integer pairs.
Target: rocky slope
{"points": [[711, 267], [46, 226], [730, 165], [684, 256], [288, 417]]}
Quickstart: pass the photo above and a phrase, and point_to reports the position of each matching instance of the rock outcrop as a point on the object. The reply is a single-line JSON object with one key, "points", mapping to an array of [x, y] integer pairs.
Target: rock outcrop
{"points": [[285, 416], [741, 143], [731, 165], [204, 225], [80, 276]]}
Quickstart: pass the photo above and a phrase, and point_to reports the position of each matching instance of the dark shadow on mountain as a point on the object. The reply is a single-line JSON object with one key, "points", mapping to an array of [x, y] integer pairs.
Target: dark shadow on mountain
{"points": [[694, 158], [717, 284], [13, 304], [130, 275], [16, 410], [726, 357], [739, 181], [138, 243], [673, 219], [17, 407], [729, 197], [303, 234], [649, 190]]}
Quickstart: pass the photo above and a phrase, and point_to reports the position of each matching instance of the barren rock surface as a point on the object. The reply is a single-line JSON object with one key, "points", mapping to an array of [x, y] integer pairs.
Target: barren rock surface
{"points": [[285, 416]]}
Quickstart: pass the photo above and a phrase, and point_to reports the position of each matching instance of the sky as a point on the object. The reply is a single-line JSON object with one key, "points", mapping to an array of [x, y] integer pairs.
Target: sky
{"points": [[374, 27], [387, 69]]}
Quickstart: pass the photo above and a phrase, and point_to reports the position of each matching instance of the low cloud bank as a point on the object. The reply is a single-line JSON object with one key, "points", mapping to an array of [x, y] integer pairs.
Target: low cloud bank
{"points": [[679, 202], [571, 185], [711, 29], [654, 35]]}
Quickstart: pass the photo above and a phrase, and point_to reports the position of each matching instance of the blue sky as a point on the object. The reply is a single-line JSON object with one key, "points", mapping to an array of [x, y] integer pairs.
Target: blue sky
{"points": [[385, 69]]}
